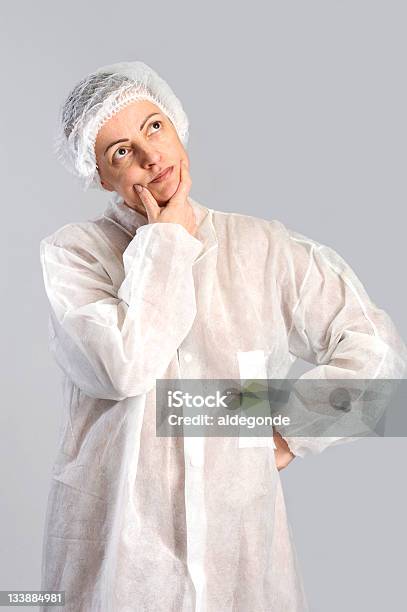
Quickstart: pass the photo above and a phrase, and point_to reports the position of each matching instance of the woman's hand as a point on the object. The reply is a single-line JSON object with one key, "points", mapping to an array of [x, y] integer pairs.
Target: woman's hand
{"points": [[282, 453], [178, 209]]}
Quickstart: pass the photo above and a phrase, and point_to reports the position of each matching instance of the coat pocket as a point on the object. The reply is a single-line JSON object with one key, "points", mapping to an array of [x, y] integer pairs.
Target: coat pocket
{"points": [[252, 366]]}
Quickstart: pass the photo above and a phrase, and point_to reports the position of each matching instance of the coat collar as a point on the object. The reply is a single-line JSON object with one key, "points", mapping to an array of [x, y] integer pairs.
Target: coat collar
{"points": [[118, 212]]}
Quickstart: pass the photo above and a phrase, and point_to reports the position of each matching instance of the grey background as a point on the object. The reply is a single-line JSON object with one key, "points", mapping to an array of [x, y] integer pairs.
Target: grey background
{"points": [[297, 112]]}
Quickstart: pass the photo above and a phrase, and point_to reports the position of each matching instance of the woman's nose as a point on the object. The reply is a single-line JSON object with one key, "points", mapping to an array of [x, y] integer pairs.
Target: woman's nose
{"points": [[149, 156]]}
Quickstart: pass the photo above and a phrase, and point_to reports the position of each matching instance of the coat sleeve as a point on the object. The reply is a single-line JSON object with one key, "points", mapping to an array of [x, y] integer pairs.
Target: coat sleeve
{"points": [[333, 324], [114, 340]]}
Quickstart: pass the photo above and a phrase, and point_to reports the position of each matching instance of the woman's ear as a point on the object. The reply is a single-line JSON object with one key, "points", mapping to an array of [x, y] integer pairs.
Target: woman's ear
{"points": [[104, 183]]}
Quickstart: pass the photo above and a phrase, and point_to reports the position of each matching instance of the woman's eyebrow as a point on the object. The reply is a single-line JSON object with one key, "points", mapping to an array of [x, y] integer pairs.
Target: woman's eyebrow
{"points": [[126, 139]]}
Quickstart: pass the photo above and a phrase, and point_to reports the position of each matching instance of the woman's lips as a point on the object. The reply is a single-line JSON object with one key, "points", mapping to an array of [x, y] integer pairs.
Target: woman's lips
{"points": [[164, 175]]}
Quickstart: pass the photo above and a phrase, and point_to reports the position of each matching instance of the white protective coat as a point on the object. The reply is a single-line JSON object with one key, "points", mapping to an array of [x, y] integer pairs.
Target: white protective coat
{"points": [[137, 522]]}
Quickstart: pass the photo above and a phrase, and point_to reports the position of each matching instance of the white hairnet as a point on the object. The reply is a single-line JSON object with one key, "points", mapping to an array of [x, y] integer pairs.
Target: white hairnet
{"points": [[95, 99]]}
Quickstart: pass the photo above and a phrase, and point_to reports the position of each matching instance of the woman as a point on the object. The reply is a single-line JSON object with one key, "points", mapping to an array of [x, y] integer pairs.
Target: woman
{"points": [[161, 287]]}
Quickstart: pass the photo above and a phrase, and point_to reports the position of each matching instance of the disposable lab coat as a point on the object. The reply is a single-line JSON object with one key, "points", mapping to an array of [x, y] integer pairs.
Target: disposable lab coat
{"points": [[137, 522]]}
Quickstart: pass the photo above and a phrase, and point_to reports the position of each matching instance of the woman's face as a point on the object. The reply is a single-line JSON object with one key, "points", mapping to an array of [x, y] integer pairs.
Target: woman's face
{"points": [[149, 144]]}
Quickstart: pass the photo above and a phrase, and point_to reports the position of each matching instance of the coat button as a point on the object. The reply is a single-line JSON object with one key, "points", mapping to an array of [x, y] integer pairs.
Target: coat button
{"points": [[187, 357]]}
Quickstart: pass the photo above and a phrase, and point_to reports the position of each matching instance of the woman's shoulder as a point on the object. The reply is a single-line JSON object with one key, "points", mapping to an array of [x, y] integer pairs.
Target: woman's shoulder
{"points": [[253, 228], [69, 232], [77, 237]]}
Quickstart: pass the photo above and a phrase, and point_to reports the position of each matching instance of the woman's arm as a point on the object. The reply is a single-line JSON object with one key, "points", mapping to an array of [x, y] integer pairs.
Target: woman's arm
{"points": [[333, 324], [114, 342]]}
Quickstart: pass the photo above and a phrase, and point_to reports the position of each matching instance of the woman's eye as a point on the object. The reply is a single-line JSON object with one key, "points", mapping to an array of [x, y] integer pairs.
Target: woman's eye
{"points": [[156, 122], [115, 156], [117, 153]]}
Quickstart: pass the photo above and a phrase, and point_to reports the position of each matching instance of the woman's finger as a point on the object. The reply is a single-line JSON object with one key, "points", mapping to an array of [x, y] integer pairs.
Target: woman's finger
{"points": [[150, 204]]}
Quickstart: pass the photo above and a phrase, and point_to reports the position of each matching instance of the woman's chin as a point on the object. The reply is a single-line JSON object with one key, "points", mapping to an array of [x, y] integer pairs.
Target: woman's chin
{"points": [[164, 195]]}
